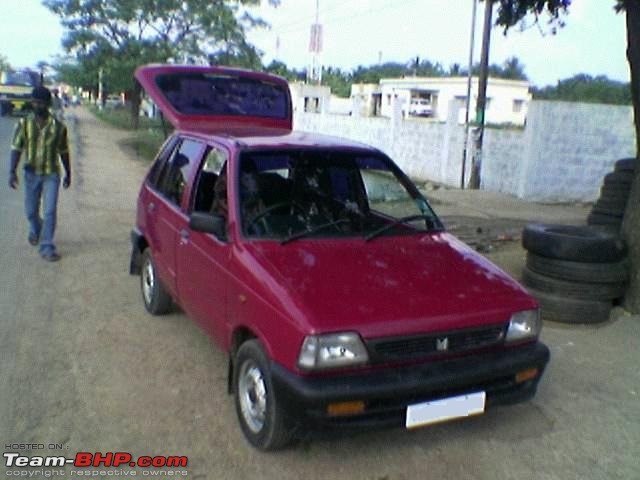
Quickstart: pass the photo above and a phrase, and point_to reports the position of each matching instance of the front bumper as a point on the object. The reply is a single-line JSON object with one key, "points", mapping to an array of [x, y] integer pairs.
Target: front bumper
{"points": [[388, 392]]}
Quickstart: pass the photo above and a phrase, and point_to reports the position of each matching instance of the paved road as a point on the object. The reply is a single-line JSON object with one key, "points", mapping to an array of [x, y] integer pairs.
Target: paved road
{"points": [[84, 366]]}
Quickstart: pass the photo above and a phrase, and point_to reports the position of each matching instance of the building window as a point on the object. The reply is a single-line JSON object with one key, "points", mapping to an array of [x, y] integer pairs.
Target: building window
{"points": [[517, 106], [461, 100], [388, 99]]}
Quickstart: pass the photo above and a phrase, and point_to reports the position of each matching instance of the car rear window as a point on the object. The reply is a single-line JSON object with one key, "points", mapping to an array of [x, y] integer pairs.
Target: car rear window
{"points": [[224, 94]]}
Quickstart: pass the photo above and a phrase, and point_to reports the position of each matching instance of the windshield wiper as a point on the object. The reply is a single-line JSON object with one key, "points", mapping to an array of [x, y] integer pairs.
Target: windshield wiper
{"points": [[395, 223], [317, 228]]}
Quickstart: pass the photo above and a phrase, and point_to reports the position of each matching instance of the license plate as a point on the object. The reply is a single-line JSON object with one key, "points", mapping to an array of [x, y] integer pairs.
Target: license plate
{"points": [[427, 413]]}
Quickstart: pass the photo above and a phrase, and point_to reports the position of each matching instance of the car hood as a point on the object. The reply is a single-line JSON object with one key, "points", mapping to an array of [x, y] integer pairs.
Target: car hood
{"points": [[426, 283]]}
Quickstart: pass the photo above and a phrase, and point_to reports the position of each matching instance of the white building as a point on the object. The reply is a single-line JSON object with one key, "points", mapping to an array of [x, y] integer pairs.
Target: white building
{"points": [[507, 100], [366, 99], [309, 98]]}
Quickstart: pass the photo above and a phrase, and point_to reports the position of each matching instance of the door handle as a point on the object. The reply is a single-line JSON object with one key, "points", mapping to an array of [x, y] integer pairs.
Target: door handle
{"points": [[184, 236], [151, 207]]}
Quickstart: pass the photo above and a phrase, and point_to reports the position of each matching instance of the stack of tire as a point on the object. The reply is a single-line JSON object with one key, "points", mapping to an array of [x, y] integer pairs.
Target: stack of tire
{"points": [[577, 273], [608, 210]]}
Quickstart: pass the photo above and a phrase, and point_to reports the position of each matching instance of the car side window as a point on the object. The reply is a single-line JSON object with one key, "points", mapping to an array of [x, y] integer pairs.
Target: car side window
{"points": [[210, 176], [175, 176], [161, 162]]}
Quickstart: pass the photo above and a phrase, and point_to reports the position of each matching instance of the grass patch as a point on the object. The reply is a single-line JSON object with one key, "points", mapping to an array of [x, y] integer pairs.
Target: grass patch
{"points": [[144, 142]]}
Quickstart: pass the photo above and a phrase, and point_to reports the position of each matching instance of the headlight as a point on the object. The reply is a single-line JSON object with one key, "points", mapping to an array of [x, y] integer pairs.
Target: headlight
{"points": [[331, 351], [524, 325]]}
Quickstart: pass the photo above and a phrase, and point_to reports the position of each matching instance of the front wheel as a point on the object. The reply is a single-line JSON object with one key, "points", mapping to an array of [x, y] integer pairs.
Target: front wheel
{"points": [[262, 419], [156, 299]]}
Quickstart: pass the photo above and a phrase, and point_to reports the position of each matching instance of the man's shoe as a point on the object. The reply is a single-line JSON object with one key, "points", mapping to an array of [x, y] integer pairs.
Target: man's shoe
{"points": [[51, 257], [33, 239]]}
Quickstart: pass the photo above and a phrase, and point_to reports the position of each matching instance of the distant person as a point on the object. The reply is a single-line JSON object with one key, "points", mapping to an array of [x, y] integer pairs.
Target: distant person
{"points": [[43, 138], [57, 107]]}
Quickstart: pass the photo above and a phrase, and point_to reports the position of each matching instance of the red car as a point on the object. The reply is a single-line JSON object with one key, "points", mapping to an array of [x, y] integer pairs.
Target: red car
{"points": [[320, 269]]}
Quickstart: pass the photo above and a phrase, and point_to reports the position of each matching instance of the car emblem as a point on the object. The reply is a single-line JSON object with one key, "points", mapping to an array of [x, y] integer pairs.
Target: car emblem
{"points": [[442, 344]]}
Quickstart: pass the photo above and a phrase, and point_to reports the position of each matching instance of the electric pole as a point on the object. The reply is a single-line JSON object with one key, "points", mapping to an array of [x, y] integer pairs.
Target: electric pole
{"points": [[468, 106], [476, 162]]}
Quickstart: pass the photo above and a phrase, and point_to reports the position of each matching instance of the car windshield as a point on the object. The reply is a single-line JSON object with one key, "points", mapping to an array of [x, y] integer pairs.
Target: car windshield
{"points": [[224, 94], [316, 193]]}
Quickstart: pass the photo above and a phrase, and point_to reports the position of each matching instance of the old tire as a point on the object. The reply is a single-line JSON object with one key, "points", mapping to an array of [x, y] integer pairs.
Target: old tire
{"points": [[573, 243], [571, 310], [613, 204], [155, 297], [618, 177], [605, 209], [618, 192], [595, 218], [262, 419], [625, 165], [615, 272], [572, 289]]}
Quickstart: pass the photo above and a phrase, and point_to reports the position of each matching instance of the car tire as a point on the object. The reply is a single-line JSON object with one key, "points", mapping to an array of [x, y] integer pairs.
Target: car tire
{"points": [[156, 299], [615, 272], [262, 419], [573, 243], [571, 310], [625, 165], [572, 289]]}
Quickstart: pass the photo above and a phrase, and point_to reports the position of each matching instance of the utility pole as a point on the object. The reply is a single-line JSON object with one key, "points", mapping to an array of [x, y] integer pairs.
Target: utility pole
{"points": [[468, 106], [315, 47], [476, 163]]}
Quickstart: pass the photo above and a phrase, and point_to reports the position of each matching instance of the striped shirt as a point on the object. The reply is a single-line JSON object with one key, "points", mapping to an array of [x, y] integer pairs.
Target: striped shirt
{"points": [[43, 145]]}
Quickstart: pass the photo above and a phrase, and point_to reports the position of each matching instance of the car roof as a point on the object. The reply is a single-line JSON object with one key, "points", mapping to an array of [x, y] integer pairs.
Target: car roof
{"points": [[277, 139]]}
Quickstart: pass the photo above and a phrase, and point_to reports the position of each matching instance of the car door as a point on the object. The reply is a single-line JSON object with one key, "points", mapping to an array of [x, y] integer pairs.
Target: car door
{"points": [[203, 258], [165, 206]]}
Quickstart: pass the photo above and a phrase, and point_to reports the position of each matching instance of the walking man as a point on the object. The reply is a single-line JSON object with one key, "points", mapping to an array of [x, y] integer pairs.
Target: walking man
{"points": [[44, 140]]}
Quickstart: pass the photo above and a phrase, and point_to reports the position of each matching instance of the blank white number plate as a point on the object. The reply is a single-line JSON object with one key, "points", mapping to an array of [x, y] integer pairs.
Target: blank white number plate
{"points": [[445, 409]]}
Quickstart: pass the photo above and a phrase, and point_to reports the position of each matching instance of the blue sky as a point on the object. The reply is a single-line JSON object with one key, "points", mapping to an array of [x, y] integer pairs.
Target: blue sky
{"points": [[361, 32]]}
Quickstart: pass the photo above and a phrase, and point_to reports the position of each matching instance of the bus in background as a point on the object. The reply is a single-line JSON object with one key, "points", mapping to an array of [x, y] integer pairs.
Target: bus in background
{"points": [[15, 90]]}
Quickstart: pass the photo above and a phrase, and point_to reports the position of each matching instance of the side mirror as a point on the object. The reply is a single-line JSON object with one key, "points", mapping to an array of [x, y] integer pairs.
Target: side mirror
{"points": [[208, 223]]}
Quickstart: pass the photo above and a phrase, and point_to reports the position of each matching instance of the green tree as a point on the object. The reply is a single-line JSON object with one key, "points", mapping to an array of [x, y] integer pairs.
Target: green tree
{"points": [[4, 63], [510, 12], [513, 69], [277, 67], [116, 36], [585, 88], [338, 81]]}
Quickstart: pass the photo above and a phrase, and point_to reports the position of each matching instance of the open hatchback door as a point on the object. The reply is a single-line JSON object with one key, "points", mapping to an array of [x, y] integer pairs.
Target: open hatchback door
{"points": [[218, 99]]}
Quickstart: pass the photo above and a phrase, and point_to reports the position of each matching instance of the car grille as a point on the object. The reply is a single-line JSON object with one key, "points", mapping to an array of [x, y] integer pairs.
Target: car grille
{"points": [[418, 346]]}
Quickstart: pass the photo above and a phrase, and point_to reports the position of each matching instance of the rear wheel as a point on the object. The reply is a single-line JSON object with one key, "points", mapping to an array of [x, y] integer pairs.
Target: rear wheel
{"points": [[156, 299], [262, 419]]}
